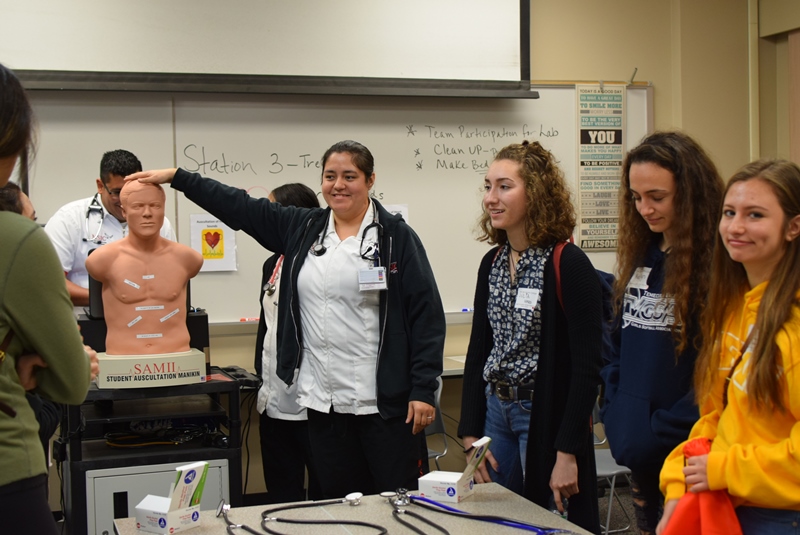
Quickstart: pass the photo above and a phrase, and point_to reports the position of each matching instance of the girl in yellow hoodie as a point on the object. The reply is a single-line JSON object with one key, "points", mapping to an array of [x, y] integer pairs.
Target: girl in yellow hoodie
{"points": [[747, 376]]}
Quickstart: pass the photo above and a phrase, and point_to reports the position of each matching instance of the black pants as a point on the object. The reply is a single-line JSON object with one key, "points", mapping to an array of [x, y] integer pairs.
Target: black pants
{"points": [[363, 453], [48, 414], [285, 455], [24, 508], [648, 502]]}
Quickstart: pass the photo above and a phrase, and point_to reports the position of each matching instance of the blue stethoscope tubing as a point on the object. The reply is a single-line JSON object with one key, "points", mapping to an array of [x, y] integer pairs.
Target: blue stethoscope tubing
{"points": [[433, 505]]}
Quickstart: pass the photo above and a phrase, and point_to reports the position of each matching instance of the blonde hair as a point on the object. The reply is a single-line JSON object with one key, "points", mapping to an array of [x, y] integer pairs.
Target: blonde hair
{"points": [[777, 305]]}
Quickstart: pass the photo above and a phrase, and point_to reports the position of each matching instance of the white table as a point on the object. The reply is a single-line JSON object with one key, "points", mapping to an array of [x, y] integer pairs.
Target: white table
{"points": [[490, 499]]}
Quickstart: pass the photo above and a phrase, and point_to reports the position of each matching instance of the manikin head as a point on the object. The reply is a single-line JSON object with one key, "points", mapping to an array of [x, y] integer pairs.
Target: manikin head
{"points": [[143, 207]]}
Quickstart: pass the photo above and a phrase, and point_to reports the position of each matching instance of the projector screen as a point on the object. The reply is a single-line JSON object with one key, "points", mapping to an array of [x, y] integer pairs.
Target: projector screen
{"points": [[412, 39]]}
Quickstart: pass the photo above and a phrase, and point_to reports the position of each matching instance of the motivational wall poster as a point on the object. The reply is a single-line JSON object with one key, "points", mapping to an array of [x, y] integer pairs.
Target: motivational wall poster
{"points": [[601, 149], [215, 241]]}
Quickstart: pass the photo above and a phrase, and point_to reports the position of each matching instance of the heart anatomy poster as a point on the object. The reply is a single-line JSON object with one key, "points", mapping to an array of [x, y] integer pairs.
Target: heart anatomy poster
{"points": [[215, 241]]}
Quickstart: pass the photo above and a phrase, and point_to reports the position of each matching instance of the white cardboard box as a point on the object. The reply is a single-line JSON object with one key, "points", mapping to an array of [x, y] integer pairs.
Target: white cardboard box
{"points": [[181, 509], [454, 486], [153, 515], [142, 371]]}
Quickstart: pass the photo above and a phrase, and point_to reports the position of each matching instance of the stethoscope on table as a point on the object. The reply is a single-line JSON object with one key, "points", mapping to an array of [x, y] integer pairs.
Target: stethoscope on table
{"points": [[354, 498], [94, 206], [399, 500]]}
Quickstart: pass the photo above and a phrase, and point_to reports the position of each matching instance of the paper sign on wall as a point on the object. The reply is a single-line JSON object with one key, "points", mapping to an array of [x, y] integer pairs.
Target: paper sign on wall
{"points": [[215, 241], [601, 150]]}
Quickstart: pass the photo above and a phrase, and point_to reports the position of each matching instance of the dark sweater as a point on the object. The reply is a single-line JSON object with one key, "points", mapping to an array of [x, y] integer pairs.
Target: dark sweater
{"points": [[566, 380], [411, 315], [649, 400]]}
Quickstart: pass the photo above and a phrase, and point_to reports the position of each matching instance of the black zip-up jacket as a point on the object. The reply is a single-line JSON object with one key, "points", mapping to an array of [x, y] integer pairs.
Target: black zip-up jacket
{"points": [[412, 319], [566, 380]]}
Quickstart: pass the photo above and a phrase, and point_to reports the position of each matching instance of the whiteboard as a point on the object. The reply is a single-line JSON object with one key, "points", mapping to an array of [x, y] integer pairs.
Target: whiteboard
{"points": [[442, 39], [76, 128], [431, 154]]}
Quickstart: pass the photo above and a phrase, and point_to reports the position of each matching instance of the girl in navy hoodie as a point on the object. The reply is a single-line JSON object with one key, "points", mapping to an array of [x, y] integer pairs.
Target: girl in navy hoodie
{"points": [[669, 197]]}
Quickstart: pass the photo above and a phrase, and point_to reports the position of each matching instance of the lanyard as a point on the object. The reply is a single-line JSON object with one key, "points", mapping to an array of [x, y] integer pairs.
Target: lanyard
{"points": [[729, 378], [270, 287]]}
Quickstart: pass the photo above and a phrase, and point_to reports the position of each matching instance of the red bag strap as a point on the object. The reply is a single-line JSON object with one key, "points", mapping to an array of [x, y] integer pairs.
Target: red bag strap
{"points": [[557, 266], [559, 248]]}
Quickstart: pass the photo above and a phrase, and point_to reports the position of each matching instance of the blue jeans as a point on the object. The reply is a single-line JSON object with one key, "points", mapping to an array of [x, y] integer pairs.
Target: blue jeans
{"points": [[761, 521], [507, 424]]}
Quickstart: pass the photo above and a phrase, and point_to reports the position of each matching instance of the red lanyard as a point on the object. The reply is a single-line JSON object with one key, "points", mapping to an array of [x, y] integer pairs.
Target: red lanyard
{"points": [[270, 289]]}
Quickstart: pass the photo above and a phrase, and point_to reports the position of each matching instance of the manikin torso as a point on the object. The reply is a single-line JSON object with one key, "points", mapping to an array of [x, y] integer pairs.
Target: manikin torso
{"points": [[144, 280]]}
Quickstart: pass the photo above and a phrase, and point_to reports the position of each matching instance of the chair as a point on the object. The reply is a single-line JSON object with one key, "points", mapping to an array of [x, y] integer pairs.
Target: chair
{"points": [[437, 427], [608, 470]]}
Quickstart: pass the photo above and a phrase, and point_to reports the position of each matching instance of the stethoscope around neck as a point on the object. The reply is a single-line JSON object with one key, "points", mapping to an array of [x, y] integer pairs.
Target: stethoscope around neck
{"points": [[372, 253], [96, 207], [270, 287]]}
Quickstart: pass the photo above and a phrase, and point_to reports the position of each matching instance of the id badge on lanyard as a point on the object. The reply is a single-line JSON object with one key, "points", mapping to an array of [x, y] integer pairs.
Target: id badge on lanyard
{"points": [[372, 278]]}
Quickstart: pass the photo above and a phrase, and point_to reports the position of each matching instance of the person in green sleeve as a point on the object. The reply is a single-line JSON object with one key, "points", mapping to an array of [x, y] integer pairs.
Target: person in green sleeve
{"points": [[40, 346]]}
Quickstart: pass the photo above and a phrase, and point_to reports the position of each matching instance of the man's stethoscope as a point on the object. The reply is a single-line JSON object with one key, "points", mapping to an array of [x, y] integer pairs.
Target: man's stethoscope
{"points": [[94, 207]]}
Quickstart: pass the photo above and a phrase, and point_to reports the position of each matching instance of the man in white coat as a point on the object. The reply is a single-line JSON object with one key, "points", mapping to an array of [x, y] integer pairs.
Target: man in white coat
{"points": [[86, 224]]}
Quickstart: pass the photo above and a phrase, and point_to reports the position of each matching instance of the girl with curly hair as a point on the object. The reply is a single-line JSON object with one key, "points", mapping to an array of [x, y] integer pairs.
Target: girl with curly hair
{"points": [[533, 365], [668, 205], [747, 375]]}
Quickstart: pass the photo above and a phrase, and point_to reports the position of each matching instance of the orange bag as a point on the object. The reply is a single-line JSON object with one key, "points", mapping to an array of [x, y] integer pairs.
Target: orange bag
{"points": [[703, 513]]}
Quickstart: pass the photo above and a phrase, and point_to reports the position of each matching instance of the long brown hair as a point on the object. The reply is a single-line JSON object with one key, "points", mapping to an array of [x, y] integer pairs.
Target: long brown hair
{"points": [[551, 215], [697, 186], [777, 305]]}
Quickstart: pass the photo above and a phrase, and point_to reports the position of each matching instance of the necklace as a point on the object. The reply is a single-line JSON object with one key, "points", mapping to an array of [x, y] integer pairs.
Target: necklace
{"points": [[512, 263]]}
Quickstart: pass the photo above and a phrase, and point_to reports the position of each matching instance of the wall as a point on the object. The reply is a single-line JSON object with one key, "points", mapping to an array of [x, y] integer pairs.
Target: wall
{"points": [[777, 18], [694, 54], [714, 80]]}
